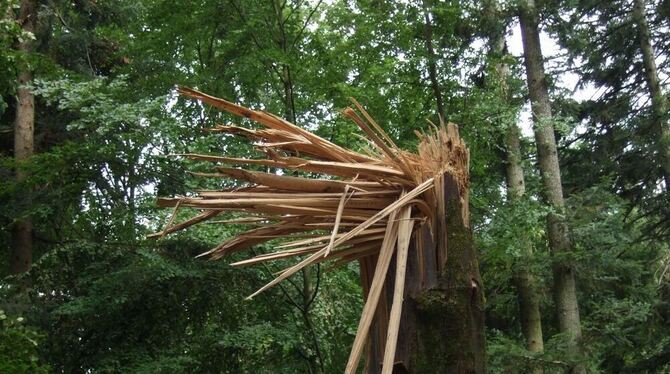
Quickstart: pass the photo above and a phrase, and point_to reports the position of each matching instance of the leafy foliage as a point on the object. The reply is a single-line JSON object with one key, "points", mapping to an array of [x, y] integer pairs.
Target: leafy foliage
{"points": [[19, 346], [107, 308]]}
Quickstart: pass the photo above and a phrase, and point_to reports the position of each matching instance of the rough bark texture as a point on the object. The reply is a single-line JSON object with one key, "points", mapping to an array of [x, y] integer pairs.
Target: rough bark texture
{"points": [[529, 300], [659, 103], [565, 293], [22, 244], [527, 296], [442, 322]]}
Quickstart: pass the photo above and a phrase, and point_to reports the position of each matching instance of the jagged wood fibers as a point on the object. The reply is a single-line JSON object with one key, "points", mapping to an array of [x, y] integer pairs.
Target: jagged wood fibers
{"points": [[362, 205]]}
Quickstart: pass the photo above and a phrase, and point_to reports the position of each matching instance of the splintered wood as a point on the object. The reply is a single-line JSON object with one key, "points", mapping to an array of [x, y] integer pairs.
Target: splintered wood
{"points": [[362, 204]]}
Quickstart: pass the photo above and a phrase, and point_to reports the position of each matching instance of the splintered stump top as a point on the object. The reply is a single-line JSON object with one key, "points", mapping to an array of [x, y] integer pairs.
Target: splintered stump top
{"points": [[366, 206]]}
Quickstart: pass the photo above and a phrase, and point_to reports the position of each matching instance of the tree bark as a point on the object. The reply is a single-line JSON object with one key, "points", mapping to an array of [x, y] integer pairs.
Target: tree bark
{"points": [[430, 53], [442, 320], [527, 296], [659, 104], [524, 280], [22, 242], [565, 294]]}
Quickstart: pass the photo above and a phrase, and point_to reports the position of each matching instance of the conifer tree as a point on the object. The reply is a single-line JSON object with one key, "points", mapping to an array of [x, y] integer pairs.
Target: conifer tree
{"points": [[564, 289]]}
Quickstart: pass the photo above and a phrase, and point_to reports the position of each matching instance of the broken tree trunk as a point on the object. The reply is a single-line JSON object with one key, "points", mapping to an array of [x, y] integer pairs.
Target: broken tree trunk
{"points": [[403, 216], [442, 320]]}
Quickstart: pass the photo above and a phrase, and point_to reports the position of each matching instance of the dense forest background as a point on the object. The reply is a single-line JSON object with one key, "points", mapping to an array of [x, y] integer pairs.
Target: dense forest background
{"points": [[99, 297]]}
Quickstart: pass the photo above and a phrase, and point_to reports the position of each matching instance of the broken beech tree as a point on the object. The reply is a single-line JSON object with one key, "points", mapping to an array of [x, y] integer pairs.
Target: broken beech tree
{"points": [[403, 216]]}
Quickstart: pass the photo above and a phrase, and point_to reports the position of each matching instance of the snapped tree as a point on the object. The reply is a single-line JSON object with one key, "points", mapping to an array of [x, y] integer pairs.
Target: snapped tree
{"points": [[380, 207]]}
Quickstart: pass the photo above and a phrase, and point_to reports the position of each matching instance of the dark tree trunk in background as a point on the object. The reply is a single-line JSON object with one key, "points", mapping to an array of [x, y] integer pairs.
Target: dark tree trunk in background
{"points": [[430, 53], [22, 237], [442, 321], [309, 289], [659, 104], [565, 293]]}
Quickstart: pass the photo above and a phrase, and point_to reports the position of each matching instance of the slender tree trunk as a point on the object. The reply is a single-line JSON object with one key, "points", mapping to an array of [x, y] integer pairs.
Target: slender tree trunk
{"points": [[527, 296], [308, 289], [565, 293], [659, 103], [308, 294], [22, 242], [289, 102], [315, 360], [430, 52]]}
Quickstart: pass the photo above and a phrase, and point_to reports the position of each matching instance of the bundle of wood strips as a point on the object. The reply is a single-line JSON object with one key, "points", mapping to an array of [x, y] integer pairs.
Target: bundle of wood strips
{"points": [[365, 203]]}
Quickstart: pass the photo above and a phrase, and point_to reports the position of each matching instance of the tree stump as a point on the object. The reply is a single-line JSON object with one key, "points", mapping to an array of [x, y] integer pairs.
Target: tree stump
{"points": [[442, 324]]}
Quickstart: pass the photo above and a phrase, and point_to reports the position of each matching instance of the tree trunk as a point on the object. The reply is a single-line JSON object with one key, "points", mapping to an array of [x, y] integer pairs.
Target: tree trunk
{"points": [[314, 359], [527, 296], [22, 242], [528, 299], [442, 320], [565, 293], [432, 67], [659, 104]]}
